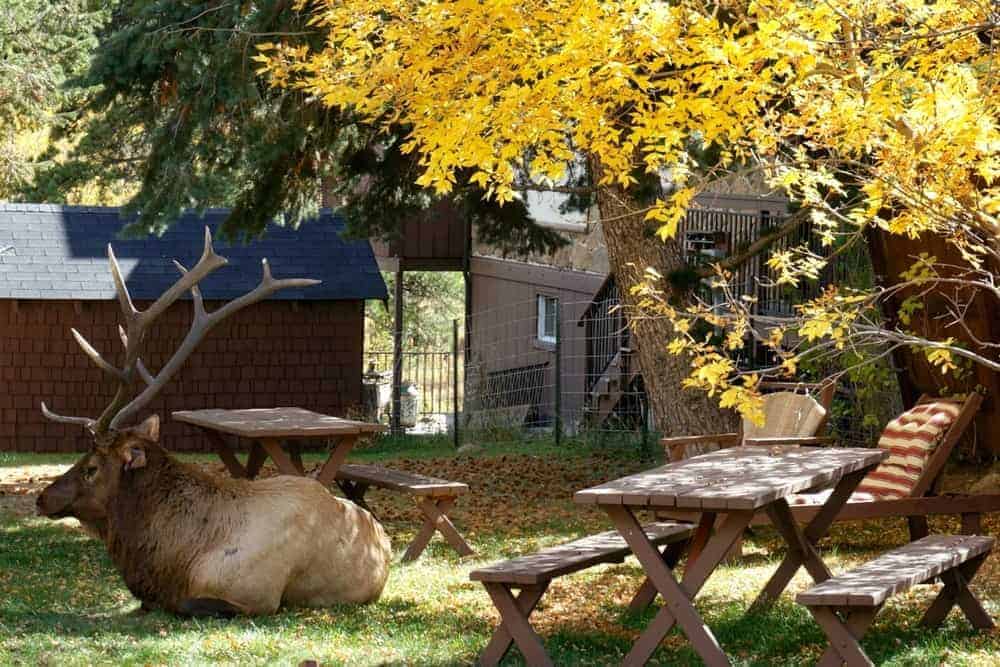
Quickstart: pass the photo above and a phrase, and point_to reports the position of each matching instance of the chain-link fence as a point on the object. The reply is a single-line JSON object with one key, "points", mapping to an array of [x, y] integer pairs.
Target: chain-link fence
{"points": [[561, 369], [548, 366]]}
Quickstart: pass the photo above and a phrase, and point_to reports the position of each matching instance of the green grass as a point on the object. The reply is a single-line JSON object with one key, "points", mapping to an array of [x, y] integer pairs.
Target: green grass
{"points": [[62, 602]]}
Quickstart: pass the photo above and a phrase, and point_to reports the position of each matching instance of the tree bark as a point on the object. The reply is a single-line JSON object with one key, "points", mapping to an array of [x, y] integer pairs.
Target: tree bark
{"points": [[633, 246]]}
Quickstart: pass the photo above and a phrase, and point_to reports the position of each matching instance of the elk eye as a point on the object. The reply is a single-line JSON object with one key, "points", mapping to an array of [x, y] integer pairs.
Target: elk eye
{"points": [[90, 473]]}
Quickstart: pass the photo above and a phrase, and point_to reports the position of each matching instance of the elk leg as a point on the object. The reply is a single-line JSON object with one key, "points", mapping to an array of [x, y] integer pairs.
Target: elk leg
{"points": [[214, 607]]}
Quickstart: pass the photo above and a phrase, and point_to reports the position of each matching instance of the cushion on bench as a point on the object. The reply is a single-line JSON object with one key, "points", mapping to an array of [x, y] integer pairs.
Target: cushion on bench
{"points": [[398, 480], [577, 555], [895, 571], [910, 440]]}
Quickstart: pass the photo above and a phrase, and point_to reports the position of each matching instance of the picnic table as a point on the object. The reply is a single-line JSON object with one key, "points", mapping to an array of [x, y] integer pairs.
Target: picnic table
{"points": [[271, 430], [728, 485]]}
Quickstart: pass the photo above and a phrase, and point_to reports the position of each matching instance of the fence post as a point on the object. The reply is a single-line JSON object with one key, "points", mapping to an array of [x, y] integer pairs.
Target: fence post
{"points": [[558, 371], [397, 355], [454, 381]]}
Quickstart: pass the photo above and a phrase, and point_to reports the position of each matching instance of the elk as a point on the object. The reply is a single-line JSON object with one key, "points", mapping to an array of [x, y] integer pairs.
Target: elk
{"points": [[189, 542]]}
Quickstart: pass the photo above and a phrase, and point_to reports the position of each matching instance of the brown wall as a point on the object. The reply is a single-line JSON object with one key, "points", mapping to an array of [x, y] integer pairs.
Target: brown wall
{"points": [[278, 353], [504, 324]]}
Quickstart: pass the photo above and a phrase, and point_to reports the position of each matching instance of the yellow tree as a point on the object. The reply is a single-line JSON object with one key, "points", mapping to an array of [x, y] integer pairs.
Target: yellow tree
{"points": [[876, 115]]}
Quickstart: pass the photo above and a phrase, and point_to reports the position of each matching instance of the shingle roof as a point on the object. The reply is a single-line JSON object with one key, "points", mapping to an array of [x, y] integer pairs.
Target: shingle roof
{"points": [[60, 252]]}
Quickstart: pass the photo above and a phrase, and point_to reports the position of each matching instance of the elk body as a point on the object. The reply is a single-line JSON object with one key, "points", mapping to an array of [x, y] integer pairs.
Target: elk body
{"points": [[193, 543]]}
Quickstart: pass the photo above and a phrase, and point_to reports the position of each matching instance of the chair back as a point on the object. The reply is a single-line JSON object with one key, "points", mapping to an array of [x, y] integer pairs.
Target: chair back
{"points": [[787, 414]]}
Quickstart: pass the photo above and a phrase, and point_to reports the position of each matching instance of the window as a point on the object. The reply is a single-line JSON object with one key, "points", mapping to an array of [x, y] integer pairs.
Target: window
{"points": [[705, 246], [548, 311]]}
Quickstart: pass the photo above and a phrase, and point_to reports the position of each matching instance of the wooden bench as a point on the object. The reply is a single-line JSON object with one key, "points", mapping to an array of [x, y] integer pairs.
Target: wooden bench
{"points": [[533, 573], [845, 605], [434, 498]]}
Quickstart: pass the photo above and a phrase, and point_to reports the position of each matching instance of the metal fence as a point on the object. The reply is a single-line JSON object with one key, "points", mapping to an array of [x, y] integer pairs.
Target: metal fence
{"points": [[430, 389], [573, 376]]}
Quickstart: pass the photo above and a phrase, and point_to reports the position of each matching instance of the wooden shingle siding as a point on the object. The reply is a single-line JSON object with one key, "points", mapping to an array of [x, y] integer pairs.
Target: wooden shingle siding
{"points": [[277, 353]]}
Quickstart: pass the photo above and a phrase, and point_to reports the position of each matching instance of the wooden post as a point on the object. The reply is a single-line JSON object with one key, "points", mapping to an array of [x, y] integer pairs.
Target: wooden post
{"points": [[397, 353], [558, 370], [454, 382]]}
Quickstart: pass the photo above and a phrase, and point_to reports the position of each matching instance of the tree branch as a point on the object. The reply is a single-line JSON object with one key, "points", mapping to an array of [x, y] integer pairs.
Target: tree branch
{"points": [[762, 242]]}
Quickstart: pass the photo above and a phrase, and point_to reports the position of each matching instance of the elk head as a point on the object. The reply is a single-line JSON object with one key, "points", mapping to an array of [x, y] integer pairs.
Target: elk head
{"points": [[86, 489]]}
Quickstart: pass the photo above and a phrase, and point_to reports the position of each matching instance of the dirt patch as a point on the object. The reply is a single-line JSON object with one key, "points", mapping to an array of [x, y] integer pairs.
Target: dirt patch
{"points": [[20, 485]]}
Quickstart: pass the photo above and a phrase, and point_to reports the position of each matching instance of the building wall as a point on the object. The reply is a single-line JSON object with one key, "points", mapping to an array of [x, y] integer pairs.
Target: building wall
{"points": [[504, 324], [277, 353]]}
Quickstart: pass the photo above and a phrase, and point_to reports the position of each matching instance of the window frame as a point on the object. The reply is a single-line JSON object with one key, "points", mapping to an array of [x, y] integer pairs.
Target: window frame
{"points": [[542, 318]]}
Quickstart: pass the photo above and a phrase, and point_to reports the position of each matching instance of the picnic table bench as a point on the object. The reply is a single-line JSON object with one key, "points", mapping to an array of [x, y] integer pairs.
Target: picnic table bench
{"points": [[533, 573], [845, 605], [434, 498]]}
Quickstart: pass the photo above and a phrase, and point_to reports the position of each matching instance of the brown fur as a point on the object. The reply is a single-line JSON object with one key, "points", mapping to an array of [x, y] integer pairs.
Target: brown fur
{"points": [[190, 542]]}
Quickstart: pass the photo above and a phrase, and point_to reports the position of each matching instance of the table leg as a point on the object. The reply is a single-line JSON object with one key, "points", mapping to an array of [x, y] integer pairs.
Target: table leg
{"points": [[280, 458], [647, 592], [514, 625], [295, 454], [343, 446], [811, 534], [782, 519], [256, 460], [705, 525], [225, 453], [678, 607]]}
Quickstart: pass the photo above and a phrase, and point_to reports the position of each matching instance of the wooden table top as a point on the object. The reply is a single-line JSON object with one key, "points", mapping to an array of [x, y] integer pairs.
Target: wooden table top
{"points": [[275, 423], [737, 478]]}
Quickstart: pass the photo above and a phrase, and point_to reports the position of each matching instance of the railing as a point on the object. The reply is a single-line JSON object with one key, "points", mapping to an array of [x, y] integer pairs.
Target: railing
{"points": [[605, 331], [432, 372]]}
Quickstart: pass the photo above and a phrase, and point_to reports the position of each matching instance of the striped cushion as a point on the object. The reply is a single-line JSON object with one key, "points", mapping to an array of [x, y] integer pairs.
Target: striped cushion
{"points": [[910, 440]]}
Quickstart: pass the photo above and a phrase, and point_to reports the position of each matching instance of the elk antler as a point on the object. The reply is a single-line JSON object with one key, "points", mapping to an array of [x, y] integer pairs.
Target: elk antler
{"points": [[86, 422], [202, 324], [138, 322]]}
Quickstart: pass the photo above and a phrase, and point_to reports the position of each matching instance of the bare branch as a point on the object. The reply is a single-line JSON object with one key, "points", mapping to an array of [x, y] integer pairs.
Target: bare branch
{"points": [[762, 242]]}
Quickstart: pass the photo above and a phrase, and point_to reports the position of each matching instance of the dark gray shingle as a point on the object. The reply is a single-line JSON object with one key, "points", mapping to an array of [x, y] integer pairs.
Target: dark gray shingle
{"points": [[59, 252]]}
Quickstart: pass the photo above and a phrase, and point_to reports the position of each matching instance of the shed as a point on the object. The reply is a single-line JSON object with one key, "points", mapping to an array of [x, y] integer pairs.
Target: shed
{"points": [[302, 347]]}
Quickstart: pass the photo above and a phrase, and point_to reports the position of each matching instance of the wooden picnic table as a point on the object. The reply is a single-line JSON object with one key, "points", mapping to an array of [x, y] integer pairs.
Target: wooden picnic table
{"points": [[730, 485], [269, 429]]}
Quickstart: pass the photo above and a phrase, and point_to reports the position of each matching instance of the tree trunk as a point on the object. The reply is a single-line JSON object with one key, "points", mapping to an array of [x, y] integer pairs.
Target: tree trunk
{"points": [[633, 246]]}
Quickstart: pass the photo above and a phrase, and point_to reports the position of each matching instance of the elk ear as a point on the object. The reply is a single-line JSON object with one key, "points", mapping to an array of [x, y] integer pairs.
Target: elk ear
{"points": [[149, 429], [134, 457]]}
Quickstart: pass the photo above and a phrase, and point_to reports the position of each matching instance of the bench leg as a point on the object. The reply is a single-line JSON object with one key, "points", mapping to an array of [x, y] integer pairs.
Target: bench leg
{"points": [[436, 518], [514, 625], [844, 635], [917, 525], [956, 591], [647, 592], [972, 523], [355, 492]]}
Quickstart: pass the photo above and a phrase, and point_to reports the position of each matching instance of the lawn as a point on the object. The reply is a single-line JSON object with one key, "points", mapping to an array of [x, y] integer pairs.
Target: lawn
{"points": [[63, 603]]}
